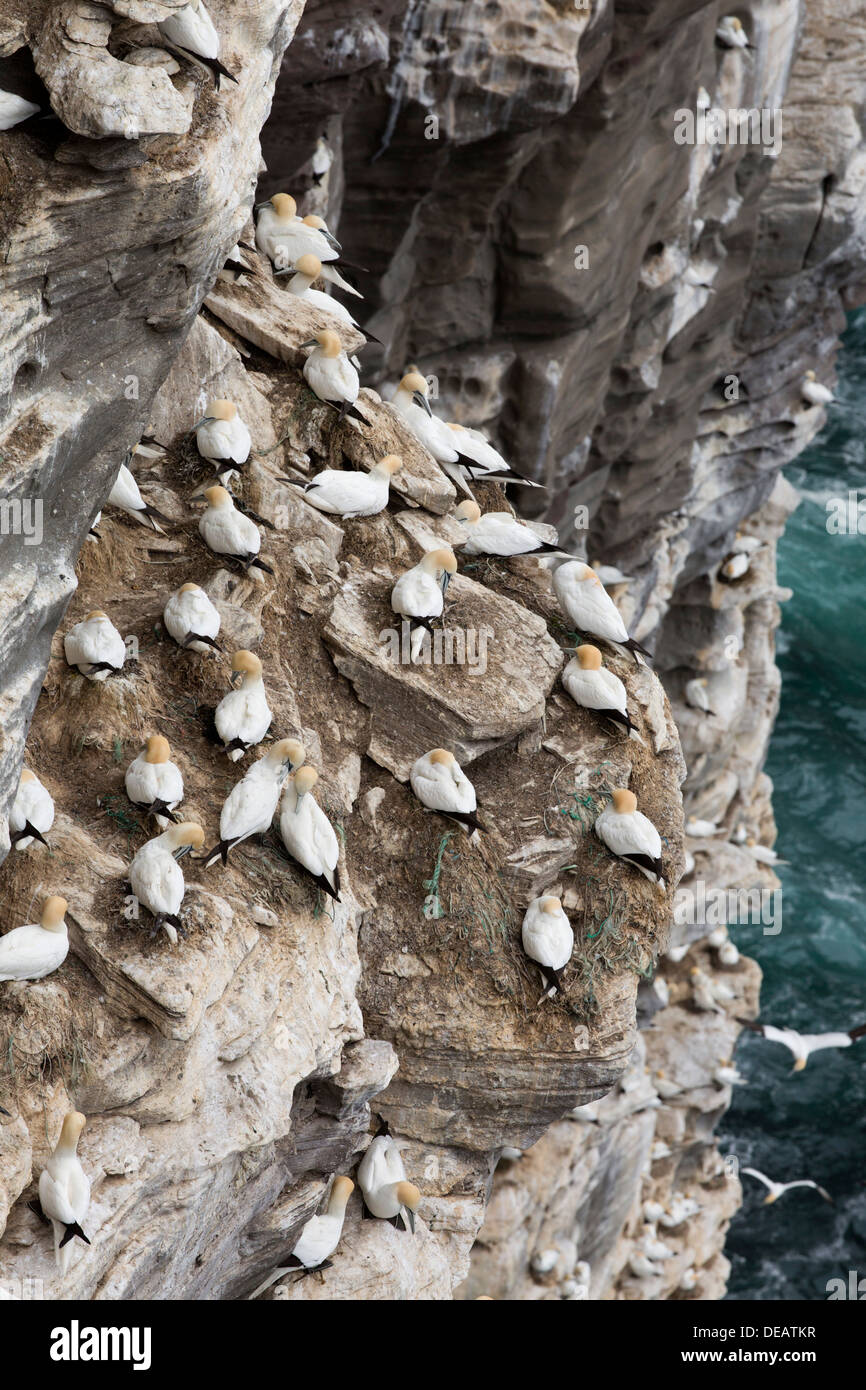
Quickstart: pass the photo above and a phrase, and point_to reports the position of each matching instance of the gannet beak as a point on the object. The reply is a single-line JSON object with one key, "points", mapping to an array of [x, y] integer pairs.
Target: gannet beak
{"points": [[205, 420], [446, 580], [410, 1217], [301, 796], [312, 343], [332, 241], [181, 851], [258, 206], [236, 677], [422, 400]]}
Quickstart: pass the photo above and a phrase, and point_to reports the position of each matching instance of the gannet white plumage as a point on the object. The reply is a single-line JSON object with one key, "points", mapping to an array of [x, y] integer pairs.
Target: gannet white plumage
{"points": [[192, 30], [38, 949], [95, 647], [688, 1279], [330, 375], [351, 494], [498, 533], [730, 32], [440, 784], [763, 853], [726, 1074], [481, 462], [319, 1238], [410, 400], [734, 567], [548, 940], [243, 716], [666, 1088], [696, 694], [284, 237], [228, 532], [250, 805], [307, 270], [729, 953], [126, 496], [308, 834], [32, 812], [419, 594], [153, 782], [191, 619], [221, 435], [631, 836], [156, 878], [814, 392], [594, 688], [802, 1045], [706, 992], [586, 604], [652, 1247], [682, 1207], [778, 1189], [382, 1180], [14, 110], [64, 1190], [642, 1266], [702, 829]]}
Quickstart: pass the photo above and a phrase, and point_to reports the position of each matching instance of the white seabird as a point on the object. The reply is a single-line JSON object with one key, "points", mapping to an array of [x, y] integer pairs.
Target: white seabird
{"points": [[243, 716], [193, 31], [250, 806], [440, 784], [14, 110], [411, 403], [652, 1247], [284, 238], [307, 270], [126, 496], [95, 647], [228, 532], [726, 1074], [763, 853], [32, 812], [802, 1045], [222, 436], [701, 829], [594, 688], [191, 619], [734, 567], [813, 392], [498, 533], [308, 834], [706, 992], [778, 1189], [64, 1190], [548, 940], [351, 494], [382, 1180], [419, 595], [631, 836], [156, 878], [38, 949], [696, 694], [331, 376], [153, 782], [319, 1238], [585, 602], [481, 462], [730, 32]]}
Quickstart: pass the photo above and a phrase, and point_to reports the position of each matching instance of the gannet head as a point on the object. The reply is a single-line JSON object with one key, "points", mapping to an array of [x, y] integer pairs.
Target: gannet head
{"points": [[696, 970], [341, 1191], [245, 664], [441, 755], [27, 775], [770, 1198], [800, 1064], [551, 906], [217, 497], [222, 410], [409, 1198], [188, 835], [390, 465], [441, 563], [588, 657], [304, 779], [311, 220], [70, 1131], [585, 573], [468, 512], [329, 342], [414, 381], [284, 206], [736, 23], [624, 801], [289, 752], [309, 265], [158, 750], [53, 913], [96, 616], [810, 375], [190, 589]]}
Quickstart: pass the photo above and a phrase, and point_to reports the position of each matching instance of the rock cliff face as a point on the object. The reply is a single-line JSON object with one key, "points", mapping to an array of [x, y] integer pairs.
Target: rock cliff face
{"points": [[630, 318]]}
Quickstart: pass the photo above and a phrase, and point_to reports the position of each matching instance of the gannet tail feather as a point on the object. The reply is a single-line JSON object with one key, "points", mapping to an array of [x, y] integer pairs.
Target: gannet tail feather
{"points": [[28, 830]]}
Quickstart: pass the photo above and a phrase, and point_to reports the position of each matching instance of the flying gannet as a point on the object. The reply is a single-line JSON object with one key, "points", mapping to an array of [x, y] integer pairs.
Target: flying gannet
{"points": [[802, 1045], [594, 688], [319, 1238], [382, 1180], [441, 785], [243, 716], [778, 1189], [498, 533], [631, 836], [95, 647], [548, 940], [308, 834], [250, 806], [191, 619], [38, 949], [64, 1190], [222, 436], [32, 812], [156, 878], [153, 782], [586, 604], [418, 597], [228, 532]]}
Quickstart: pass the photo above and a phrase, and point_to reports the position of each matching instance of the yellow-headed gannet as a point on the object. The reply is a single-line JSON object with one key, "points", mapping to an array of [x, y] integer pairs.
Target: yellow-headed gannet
{"points": [[419, 594], [730, 32], [813, 392], [688, 1279], [440, 784], [548, 940], [14, 110], [228, 532], [696, 695], [594, 688], [192, 30], [191, 619], [319, 1238], [587, 604], [652, 1247], [95, 647], [382, 1180], [481, 462], [37, 950], [351, 494], [243, 716], [498, 533], [307, 269], [284, 237], [410, 401], [631, 836], [221, 435], [734, 567], [802, 1045], [331, 376], [126, 496], [250, 806], [153, 782], [778, 1189], [156, 878], [64, 1190], [32, 813], [307, 833], [707, 992], [726, 1074], [763, 853]]}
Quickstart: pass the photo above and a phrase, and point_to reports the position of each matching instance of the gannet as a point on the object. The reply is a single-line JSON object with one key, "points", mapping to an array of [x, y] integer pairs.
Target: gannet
{"points": [[666, 1088], [226, 531], [676, 953], [250, 806], [382, 1180], [802, 1045], [688, 865], [661, 990], [652, 1211], [319, 1238], [191, 619], [688, 1279], [125, 495], [192, 30], [726, 1074], [38, 949], [330, 270], [419, 594], [706, 992], [590, 608], [548, 940], [64, 1190], [812, 391], [221, 435], [243, 716], [660, 1150], [32, 813], [729, 954], [631, 836], [594, 688], [701, 829], [746, 545], [778, 1189], [156, 878], [95, 647], [652, 1247], [284, 237], [730, 32], [498, 533], [348, 494], [440, 784], [410, 401], [696, 694], [683, 1206], [643, 1267], [481, 462], [734, 567], [330, 375], [14, 110], [763, 853], [153, 782], [308, 269], [308, 834]]}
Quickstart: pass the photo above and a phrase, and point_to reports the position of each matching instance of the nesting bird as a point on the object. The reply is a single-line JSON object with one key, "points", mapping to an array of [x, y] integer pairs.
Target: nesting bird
{"points": [[228, 532], [730, 32], [440, 784], [64, 1190], [95, 647], [331, 376], [222, 436], [14, 110], [382, 1180], [307, 833], [696, 695], [319, 1238], [191, 619], [38, 949], [243, 716], [631, 836], [250, 806], [480, 462], [707, 992], [32, 812], [126, 496], [594, 688], [813, 392], [548, 940], [587, 604], [734, 567], [351, 494], [498, 533], [410, 400], [418, 597], [156, 878], [307, 270], [193, 31], [153, 782], [726, 1074], [285, 238]]}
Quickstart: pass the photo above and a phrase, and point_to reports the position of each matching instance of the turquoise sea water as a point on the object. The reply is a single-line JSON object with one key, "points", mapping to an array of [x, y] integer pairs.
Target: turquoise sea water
{"points": [[813, 1124]]}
